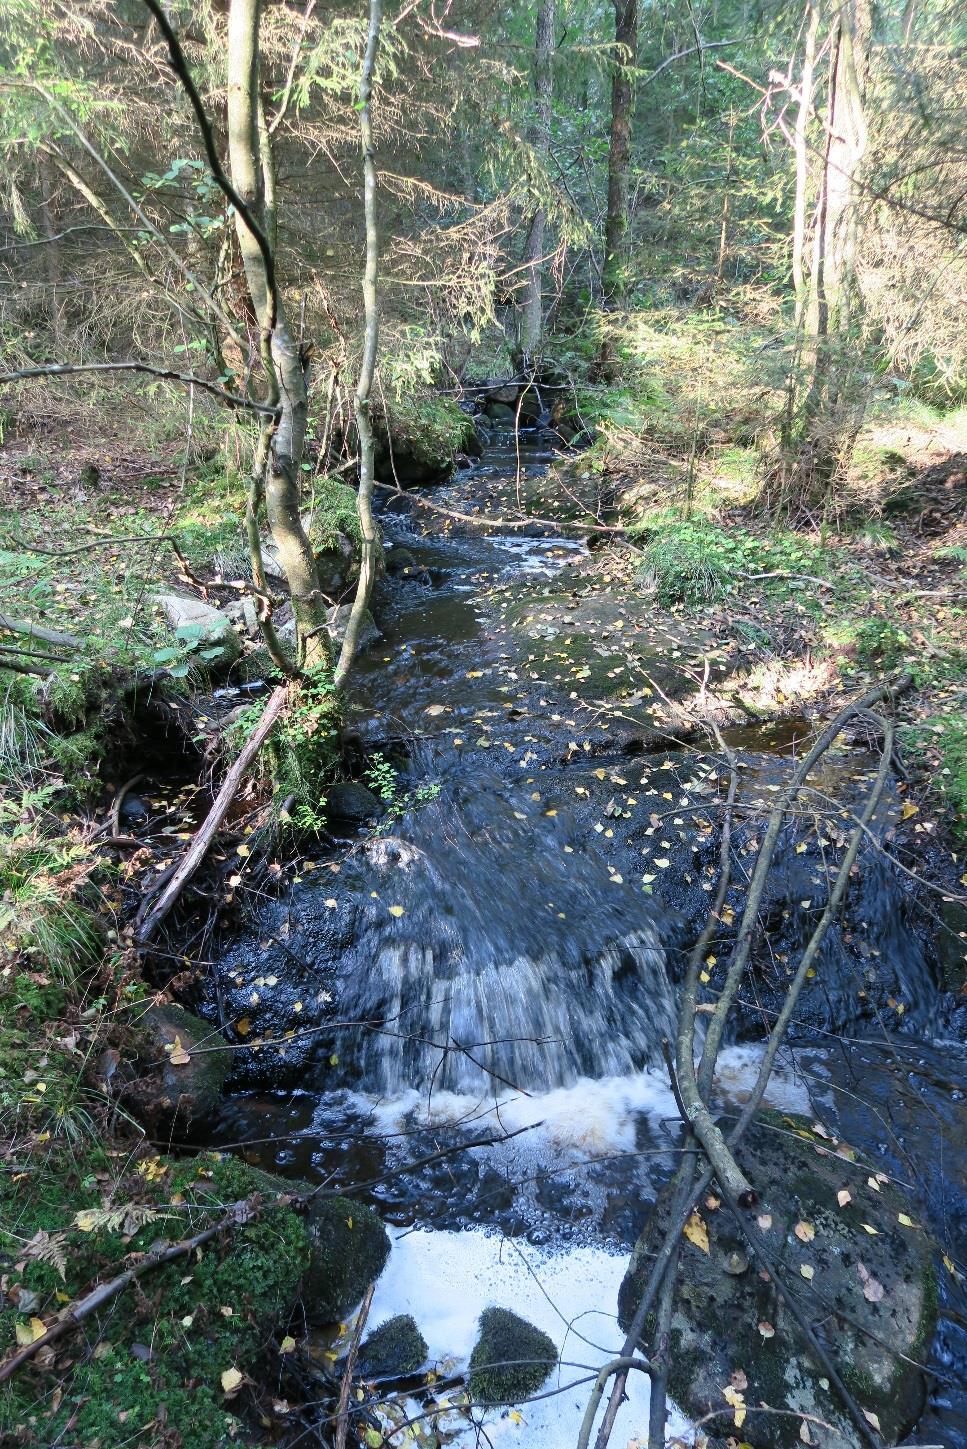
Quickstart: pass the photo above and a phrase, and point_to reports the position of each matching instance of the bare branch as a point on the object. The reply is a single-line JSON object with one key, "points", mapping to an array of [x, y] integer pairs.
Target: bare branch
{"points": [[64, 369]]}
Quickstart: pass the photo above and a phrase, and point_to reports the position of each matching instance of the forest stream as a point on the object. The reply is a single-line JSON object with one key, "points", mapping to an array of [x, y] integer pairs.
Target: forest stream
{"points": [[501, 956]]}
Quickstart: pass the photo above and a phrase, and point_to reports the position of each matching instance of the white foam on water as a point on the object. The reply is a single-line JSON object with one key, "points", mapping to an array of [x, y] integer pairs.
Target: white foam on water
{"points": [[594, 1116], [446, 1280]]}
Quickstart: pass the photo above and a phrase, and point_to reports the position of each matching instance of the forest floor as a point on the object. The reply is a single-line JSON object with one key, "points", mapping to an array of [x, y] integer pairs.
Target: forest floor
{"points": [[807, 616]]}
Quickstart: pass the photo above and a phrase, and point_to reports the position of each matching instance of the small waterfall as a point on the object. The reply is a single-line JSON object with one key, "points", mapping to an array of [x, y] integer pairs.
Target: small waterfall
{"points": [[477, 948], [504, 955]]}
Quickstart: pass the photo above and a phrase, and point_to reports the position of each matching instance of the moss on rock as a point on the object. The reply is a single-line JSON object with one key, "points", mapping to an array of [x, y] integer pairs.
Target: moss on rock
{"points": [[418, 438], [511, 1358], [864, 1267], [394, 1349], [348, 1251], [150, 1364], [173, 1091]]}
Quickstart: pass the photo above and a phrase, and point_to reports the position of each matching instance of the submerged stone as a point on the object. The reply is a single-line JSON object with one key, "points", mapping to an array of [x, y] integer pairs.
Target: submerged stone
{"points": [[854, 1259], [511, 1358], [348, 1249]]}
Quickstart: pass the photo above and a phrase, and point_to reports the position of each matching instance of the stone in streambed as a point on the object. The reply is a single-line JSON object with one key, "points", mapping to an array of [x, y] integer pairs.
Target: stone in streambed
{"points": [[170, 1089], [510, 1360], [393, 1350], [351, 803], [348, 1248], [856, 1268]]}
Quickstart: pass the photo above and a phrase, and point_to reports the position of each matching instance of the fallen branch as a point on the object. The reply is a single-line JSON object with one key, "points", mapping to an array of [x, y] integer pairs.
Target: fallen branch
{"points": [[104, 1292], [9, 625], [480, 520], [196, 852], [342, 1407]]}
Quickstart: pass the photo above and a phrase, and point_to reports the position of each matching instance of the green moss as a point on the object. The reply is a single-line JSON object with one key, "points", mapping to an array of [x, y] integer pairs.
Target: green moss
{"points": [[349, 1247], [511, 1358], [941, 744], [429, 430], [333, 513], [156, 1356]]}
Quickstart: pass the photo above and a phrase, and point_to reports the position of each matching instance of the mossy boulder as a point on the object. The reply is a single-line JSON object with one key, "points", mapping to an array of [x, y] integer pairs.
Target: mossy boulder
{"points": [[418, 439], [183, 1064], [510, 1360], [348, 1248], [859, 1267], [393, 1350], [148, 1368]]}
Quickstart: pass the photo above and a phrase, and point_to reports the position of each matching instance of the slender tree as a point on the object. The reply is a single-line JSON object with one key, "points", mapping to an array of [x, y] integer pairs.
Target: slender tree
{"points": [[614, 271], [364, 426], [532, 325], [278, 458]]}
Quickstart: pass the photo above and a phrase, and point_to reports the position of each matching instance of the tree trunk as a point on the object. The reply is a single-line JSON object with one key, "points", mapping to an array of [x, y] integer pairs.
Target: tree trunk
{"points": [[252, 177], [364, 427], [619, 151], [533, 319], [803, 114]]}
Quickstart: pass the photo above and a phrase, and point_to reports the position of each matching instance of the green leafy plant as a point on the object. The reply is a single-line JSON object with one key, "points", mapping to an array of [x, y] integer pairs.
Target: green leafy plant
{"points": [[194, 646]]}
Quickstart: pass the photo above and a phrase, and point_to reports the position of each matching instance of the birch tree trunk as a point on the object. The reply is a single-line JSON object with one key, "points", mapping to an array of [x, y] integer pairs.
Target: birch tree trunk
{"points": [[283, 444], [532, 324], [619, 150], [364, 426]]}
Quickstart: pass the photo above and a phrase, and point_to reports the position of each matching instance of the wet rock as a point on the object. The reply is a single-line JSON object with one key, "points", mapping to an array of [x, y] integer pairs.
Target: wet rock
{"points": [[500, 412], [351, 803], [172, 1091], [400, 560], [857, 1270], [338, 619], [348, 1249], [510, 1360], [393, 1350], [506, 394], [205, 631]]}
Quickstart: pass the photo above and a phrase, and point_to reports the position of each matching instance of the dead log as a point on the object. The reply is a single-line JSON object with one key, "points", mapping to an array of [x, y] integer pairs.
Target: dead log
{"points": [[196, 852]]}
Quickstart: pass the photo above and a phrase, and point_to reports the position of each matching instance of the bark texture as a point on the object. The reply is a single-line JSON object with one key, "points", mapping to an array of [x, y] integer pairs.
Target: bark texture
{"points": [[532, 324], [619, 150]]}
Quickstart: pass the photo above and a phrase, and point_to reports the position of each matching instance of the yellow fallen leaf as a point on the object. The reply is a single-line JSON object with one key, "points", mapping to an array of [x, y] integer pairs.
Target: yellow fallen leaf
{"points": [[178, 1057], [906, 1222], [287, 1344], [737, 1401], [805, 1232], [397, 910], [243, 1026], [844, 1196], [696, 1232], [86, 1221], [807, 1272], [243, 850], [231, 1380], [873, 1232], [30, 1332], [909, 810]]}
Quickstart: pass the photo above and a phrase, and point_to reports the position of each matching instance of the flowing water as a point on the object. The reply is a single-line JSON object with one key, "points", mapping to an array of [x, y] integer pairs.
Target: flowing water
{"points": [[501, 956]]}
